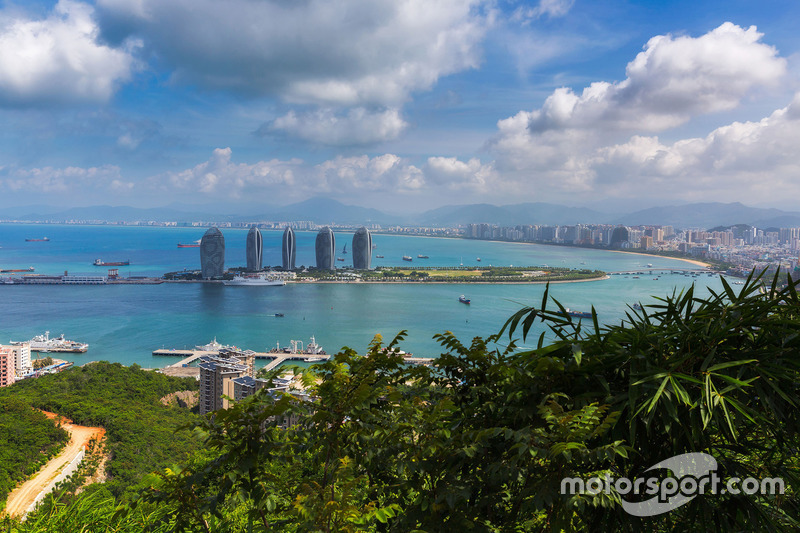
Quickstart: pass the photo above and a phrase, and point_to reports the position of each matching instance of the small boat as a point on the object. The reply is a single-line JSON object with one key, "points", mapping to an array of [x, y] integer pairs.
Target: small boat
{"points": [[279, 314], [8, 270], [478, 259], [340, 258], [195, 244], [379, 256], [43, 239], [649, 265], [463, 299], [422, 256], [344, 250], [637, 306], [101, 263], [407, 258]]}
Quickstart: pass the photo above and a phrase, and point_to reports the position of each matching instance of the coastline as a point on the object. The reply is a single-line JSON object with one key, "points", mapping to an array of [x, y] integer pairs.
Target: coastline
{"points": [[599, 278], [692, 261]]}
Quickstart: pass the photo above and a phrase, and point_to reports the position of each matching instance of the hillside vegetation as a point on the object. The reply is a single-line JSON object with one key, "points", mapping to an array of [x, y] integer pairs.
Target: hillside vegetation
{"points": [[481, 440], [140, 430], [27, 440]]}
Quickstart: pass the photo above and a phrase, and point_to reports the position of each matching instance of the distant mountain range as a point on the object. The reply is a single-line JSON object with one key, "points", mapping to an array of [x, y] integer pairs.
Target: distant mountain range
{"points": [[328, 211], [706, 215]]}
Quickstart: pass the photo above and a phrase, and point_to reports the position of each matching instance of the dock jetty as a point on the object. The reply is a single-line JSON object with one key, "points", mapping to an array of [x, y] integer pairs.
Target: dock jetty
{"points": [[190, 356], [313, 353]]}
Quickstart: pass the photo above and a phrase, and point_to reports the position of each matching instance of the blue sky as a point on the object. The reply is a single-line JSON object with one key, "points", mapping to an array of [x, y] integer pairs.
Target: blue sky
{"points": [[403, 105]]}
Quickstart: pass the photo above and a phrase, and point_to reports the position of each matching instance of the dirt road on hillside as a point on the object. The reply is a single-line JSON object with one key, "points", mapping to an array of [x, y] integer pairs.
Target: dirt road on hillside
{"points": [[23, 496]]}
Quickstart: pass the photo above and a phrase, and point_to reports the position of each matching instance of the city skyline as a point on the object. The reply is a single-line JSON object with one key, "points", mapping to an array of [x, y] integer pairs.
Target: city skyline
{"points": [[408, 104]]}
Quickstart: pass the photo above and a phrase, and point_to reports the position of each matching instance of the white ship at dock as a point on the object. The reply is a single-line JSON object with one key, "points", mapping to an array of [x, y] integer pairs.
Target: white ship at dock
{"points": [[43, 343]]}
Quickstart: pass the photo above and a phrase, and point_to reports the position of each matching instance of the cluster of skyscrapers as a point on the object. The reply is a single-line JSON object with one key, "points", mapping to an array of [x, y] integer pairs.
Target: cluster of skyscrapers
{"points": [[212, 250]]}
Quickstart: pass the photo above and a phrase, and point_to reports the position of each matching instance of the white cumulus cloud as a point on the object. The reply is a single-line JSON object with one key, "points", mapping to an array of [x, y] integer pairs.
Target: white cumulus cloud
{"points": [[221, 176], [327, 52], [671, 81], [49, 180], [59, 59], [326, 126], [455, 174], [754, 160]]}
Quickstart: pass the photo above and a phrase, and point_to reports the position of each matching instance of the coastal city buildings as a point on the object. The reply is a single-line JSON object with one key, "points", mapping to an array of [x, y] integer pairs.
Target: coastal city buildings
{"points": [[214, 371], [22, 358], [230, 376], [288, 249], [742, 247], [7, 374], [362, 249], [254, 249], [212, 254], [325, 248]]}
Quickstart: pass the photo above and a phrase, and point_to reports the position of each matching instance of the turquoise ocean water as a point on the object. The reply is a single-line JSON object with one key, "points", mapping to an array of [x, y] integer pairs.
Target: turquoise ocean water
{"points": [[126, 323]]}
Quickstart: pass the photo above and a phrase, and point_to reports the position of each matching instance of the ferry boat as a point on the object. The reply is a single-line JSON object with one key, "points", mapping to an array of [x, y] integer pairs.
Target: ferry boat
{"points": [[407, 258], [463, 299], [8, 270], [260, 280], [43, 239], [43, 343], [340, 258], [101, 263], [578, 314]]}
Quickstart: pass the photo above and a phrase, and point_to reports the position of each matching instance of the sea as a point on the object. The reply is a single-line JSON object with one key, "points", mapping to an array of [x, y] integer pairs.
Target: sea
{"points": [[125, 323]]}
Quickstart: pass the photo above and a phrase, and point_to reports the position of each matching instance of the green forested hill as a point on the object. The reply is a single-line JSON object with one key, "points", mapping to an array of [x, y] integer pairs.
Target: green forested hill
{"points": [[27, 439], [141, 432]]}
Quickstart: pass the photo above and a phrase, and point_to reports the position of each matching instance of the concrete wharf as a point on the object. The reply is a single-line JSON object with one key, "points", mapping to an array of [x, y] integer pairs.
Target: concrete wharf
{"points": [[277, 358]]}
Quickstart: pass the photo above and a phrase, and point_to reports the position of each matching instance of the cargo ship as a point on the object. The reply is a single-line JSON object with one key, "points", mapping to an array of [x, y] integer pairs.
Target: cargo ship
{"points": [[422, 256], [101, 263], [43, 239], [379, 256], [578, 314], [43, 343], [8, 270], [464, 300], [195, 244]]}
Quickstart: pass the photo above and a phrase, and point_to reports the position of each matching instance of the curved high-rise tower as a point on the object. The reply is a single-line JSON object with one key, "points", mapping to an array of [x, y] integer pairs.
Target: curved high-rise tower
{"points": [[288, 249], [618, 236], [212, 254], [254, 249], [362, 249], [325, 248]]}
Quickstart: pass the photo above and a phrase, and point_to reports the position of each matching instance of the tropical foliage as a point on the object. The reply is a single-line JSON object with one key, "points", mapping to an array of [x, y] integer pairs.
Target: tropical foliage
{"points": [[482, 439]]}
